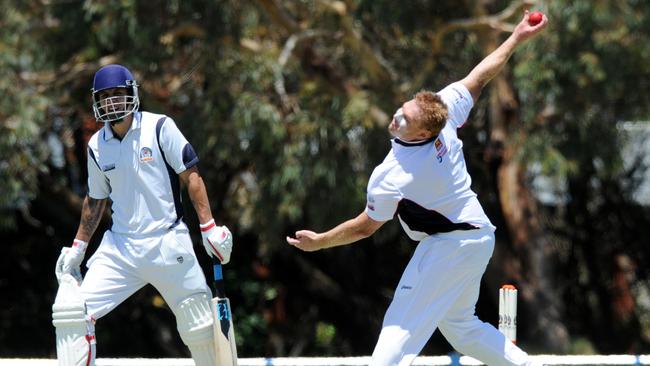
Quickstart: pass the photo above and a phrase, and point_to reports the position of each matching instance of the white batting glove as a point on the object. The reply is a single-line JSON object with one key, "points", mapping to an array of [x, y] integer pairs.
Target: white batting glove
{"points": [[70, 260], [217, 241]]}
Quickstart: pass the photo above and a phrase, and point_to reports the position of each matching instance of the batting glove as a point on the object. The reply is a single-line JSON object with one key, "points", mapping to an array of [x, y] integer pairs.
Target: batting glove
{"points": [[217, 241], [70, 260]]}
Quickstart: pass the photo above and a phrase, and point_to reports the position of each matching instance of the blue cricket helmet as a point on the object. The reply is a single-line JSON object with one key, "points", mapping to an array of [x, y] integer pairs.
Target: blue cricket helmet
{"points": [[114, 109]]}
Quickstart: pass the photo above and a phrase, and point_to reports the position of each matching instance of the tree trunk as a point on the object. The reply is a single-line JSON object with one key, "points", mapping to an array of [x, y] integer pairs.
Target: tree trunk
{"points": [[528, 261]]}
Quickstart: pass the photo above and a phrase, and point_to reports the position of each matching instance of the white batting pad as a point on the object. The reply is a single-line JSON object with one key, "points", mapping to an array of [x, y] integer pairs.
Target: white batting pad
{"points": [[75, 334], [194, 321]]}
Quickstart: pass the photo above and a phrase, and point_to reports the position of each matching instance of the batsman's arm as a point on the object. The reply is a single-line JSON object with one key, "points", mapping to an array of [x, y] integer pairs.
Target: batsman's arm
{"points": [[192, 179], [91, 214], [347, 232], [492, 64], [217, 240]]}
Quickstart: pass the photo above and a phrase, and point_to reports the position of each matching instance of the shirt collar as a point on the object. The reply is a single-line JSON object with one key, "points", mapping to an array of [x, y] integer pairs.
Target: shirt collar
{"points": [[413, 143], [135, 124]]}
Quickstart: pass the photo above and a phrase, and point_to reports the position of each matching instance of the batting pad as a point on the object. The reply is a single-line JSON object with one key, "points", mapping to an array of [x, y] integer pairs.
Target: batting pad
{"points": [[75, 333], [194, 322]]}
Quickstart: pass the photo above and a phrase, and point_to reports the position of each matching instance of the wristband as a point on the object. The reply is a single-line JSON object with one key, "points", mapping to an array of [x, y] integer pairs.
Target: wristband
{"points": [[207, 226], [80, 245]]}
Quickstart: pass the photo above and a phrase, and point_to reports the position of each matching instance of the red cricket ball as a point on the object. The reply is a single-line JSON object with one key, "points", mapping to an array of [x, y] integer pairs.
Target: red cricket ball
{"points": [[535, 17]]}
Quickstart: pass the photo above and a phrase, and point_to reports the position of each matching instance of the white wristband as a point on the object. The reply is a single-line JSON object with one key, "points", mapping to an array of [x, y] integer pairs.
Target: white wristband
{"points": [[80, 245]]}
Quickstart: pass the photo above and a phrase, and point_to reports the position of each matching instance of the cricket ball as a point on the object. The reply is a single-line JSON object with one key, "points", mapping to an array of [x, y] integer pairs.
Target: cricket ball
{"points": [[535, 17]]}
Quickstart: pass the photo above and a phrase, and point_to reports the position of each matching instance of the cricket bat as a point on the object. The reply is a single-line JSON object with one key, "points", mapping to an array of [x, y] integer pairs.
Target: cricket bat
{"points": [[224, 333]]}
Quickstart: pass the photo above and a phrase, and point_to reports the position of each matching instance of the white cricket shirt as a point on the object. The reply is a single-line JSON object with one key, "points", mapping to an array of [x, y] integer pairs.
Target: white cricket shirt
{"points": [[426, 183], [140, 173]]}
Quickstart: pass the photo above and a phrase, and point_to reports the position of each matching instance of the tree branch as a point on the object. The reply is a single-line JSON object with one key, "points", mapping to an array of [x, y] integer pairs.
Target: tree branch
{"points": [[287, 50], [378, 68], [496, 22], [279, 16], [65, 74]]}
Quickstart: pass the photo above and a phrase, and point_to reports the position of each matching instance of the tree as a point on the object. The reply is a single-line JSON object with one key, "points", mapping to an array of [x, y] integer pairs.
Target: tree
{"points": [[287, 104]]}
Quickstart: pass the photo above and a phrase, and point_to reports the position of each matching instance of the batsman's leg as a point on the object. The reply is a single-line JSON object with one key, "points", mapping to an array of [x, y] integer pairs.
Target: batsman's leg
{"points": [[75, 332], [194, 322]]}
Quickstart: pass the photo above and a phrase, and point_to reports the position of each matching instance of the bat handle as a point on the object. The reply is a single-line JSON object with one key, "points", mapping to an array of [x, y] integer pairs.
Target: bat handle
{"points": [[215, 261], [218, 277]]}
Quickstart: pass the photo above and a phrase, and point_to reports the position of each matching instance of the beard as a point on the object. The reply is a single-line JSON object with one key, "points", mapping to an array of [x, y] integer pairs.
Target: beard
{"points": [[117, 121]]}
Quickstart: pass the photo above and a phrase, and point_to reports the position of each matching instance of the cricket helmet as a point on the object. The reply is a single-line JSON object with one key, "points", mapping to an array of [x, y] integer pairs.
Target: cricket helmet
{"points": [[114, 109]]}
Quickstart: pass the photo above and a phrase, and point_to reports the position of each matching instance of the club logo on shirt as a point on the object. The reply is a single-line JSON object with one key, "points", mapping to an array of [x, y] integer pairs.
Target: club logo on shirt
{"points": [[459, 95], [146, 154], [371, 203], [440, 148]]}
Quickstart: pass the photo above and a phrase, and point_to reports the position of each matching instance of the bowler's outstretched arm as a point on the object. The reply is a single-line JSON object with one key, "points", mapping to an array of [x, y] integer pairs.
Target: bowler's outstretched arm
{"points": [[494, 62], [347, 232]]}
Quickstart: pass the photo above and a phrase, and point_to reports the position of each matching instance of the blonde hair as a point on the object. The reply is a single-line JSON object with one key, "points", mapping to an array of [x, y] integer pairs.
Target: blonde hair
{"points": [[433, 111]]}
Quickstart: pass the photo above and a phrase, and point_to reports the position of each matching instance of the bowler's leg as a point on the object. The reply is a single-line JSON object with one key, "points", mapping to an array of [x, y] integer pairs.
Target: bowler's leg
{"points": [[426, 291], [472, 337], [441, 270]]}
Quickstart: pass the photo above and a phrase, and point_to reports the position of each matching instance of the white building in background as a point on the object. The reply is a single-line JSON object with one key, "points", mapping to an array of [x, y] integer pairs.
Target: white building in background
{"points": [[636, 151], [550, 191]]}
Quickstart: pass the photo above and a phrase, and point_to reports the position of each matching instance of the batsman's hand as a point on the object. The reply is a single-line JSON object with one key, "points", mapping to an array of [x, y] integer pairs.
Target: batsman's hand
{"points": [[69, 261], [217, 241], [306, 240]]}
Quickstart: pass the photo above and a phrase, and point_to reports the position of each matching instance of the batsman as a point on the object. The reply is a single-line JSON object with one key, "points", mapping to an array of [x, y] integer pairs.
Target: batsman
{"points": [[424, 182], [140, 161]]}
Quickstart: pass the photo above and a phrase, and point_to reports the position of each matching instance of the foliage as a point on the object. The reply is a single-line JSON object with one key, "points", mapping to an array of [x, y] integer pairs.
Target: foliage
{"points": [[576, 90], [22, 109], [287, 105]]}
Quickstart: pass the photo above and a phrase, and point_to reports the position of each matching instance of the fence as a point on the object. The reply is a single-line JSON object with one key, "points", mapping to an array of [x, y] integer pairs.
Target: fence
{"points": [[349, 361]]}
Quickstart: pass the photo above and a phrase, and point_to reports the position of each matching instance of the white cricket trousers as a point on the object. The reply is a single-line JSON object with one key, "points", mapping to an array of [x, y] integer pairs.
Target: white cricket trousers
{"points": [[124, 264], [439, 289]]}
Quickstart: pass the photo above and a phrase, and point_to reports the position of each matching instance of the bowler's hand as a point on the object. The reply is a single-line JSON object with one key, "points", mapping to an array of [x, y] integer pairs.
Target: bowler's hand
{"points": [[524, 30], [306, 240]]}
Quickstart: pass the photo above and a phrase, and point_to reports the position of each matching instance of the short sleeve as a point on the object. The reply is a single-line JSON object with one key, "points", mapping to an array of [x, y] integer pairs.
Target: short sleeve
{"points": [[98, 187], [382, 200], [179, 154], [459, 103]]}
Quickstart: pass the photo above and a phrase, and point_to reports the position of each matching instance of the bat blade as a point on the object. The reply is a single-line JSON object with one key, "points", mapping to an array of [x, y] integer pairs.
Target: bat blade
{"points": [[224, 332]]}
